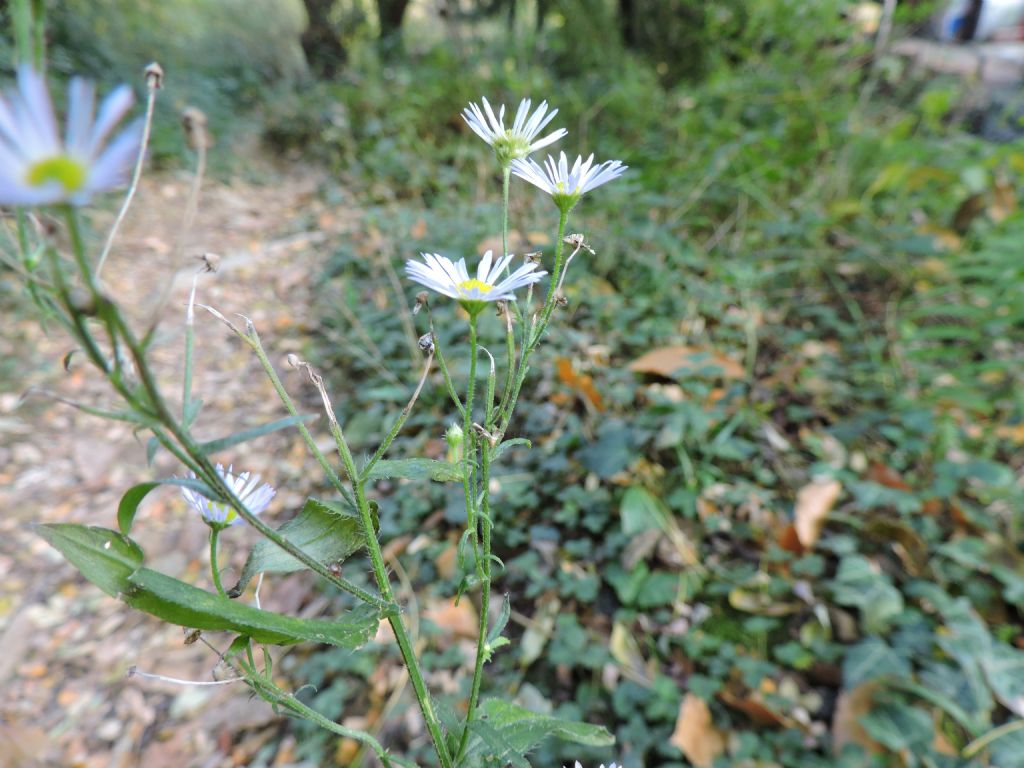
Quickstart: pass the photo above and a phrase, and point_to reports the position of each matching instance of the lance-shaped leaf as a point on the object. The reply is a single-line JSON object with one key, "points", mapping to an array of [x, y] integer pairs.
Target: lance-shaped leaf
{"points": [[113, 562], [416, 469], [133, 497], [325, 530]]}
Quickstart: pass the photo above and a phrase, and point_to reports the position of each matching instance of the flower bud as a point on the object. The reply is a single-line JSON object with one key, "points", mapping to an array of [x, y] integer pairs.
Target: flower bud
{"points": [[454, 437]]}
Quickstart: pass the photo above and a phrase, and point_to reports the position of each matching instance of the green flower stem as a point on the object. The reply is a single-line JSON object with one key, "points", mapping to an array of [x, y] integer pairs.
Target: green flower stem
{"points": [[443, 365], [485, 596], [399, 422], [506, 176], [469, 443], [380, 572], [253, 340], [505, 415], [214, 567], [510, 369]]}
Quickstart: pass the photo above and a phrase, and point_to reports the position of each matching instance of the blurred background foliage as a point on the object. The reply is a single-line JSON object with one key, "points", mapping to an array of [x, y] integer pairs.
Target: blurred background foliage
{"points": [[772, 514]]}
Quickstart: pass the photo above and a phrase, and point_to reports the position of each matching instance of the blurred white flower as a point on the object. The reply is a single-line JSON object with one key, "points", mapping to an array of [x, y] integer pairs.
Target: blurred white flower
{"points": [[602, 765], [245, 486], [566, 186], [452, 279], [519, 140], [37, 167]]}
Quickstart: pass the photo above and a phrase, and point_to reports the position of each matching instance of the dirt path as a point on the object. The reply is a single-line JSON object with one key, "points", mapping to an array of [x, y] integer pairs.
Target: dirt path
{"points": [[64, 696]]}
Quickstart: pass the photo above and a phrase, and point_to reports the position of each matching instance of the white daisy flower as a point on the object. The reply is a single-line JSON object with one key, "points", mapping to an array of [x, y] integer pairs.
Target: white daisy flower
{"points": [[38, 167], [567, 186], [246, 487], [452, 279], [602, 765], [519, 140]]}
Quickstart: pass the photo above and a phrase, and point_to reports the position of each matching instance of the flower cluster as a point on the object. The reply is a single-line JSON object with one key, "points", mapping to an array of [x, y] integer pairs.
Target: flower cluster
{"points": [[245, 486], [38, 167]]}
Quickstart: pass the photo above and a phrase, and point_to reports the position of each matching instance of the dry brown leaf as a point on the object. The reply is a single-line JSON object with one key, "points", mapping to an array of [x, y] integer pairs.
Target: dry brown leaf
{"points": [[813, 503], [695, 734], [681, 359], [454, 620], [582, 383], [887, 476], [851, 706]]}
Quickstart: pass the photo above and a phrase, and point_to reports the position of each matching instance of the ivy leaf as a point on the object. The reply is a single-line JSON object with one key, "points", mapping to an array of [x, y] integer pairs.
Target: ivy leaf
{"points": [[325, 530], [871, 658]]}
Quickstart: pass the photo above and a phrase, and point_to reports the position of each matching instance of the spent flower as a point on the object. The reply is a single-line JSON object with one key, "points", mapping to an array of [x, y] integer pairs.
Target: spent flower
{"points": [[245, 486], [452, 279], [38, 167], [566, 186], [519, 140]]}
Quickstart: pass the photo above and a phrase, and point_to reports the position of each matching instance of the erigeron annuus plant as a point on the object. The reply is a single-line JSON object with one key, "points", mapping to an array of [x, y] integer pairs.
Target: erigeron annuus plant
{"points": [[39, 169]]}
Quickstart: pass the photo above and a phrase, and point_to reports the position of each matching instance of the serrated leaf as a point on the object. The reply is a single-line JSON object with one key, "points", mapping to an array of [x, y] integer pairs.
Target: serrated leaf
{"points": [[416, 469], [245, 435], [324, 530], [506, 730], [113, 562], [129, 503]]}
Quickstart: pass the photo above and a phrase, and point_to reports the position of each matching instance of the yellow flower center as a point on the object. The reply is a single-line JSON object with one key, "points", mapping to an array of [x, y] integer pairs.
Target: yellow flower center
{"points": [[66, 171], [466, 286]]}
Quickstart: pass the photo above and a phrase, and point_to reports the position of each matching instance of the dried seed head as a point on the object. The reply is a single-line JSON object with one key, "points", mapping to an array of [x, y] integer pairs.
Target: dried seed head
{"points": [[293, 361], [191, 635], [561, 301], [426, 343], [210, 261], [193, 120], [82, 302], [421, 301], [577, 241], [533, 257], [154, 76]]}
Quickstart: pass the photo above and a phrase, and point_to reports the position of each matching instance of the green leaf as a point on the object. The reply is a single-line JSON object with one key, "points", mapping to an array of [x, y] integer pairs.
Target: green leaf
{"points": [[188, 606], [129, 504], [504, 445], [106, 558], [324, 530], [898, 727], [212, 446], [859, 584], [113, 563], [872, 657], [416, 469], [641, 511], [508, 731]]}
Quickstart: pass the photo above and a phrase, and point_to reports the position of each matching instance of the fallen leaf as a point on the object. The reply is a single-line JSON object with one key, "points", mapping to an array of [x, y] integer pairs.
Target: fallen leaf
{"points": [[695, 734], [851, 706], [887, 476], [454, 620], [582, 383], [813, 503], [669, 362], [625, 650]]}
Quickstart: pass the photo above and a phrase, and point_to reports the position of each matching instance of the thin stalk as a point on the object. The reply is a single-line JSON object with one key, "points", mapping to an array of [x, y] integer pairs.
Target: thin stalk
{"points": [[136, 175], [190, 342], [983, 741], [535, 335], [399, 422], [485, 597], [217, 484], [469, 453], [253, 340], [506, 175], [443, 365], [214, 567], [380, 573]]}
